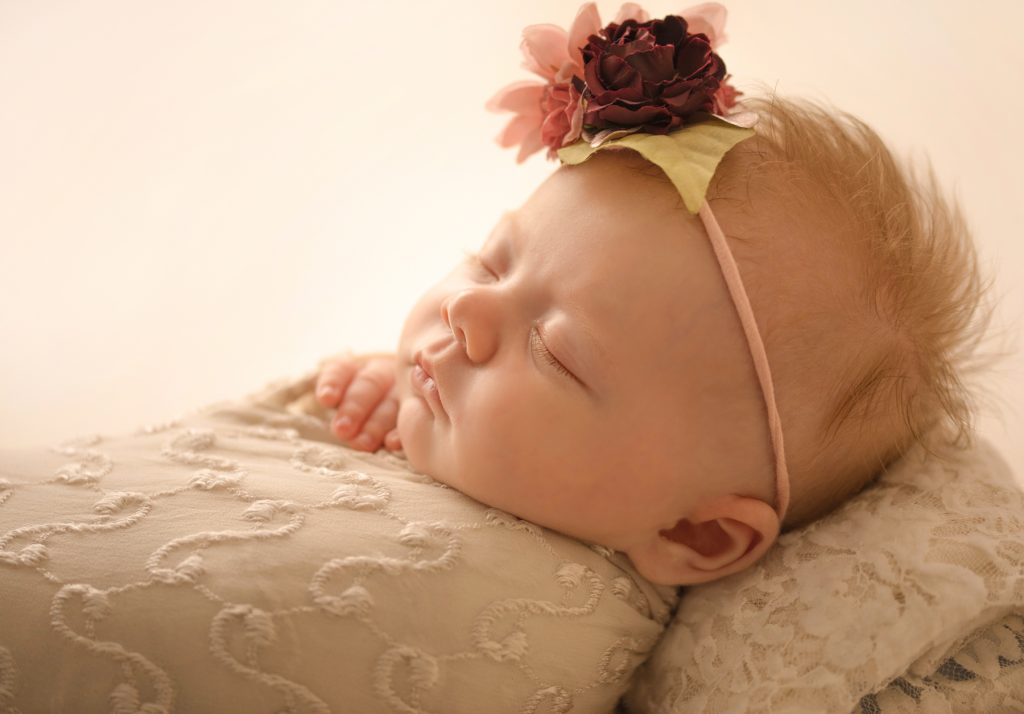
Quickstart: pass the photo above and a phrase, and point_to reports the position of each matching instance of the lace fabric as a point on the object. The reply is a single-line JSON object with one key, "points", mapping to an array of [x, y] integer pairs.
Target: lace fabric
{"points": [[985, 675], [854, 610]]}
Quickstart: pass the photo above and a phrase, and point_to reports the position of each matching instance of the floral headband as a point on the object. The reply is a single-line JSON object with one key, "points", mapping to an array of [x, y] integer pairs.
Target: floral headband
{"points": [[656, 87]]}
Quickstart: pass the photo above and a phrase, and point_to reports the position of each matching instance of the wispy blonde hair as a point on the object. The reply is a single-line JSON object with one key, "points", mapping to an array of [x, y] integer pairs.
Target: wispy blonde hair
{"points": [[896, 343]]}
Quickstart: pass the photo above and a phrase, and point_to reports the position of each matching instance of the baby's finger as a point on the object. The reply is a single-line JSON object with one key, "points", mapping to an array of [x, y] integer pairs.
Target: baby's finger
{"points": [[383, 418], [334, 380], [363, 394], [392, 441]]}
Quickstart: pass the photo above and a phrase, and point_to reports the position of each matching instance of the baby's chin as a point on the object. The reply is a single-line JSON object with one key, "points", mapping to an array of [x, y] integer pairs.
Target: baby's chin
{"points": [[415, 429]]}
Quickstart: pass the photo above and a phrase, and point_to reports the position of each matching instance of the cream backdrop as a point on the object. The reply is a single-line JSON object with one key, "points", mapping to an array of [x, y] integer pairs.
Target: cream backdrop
{"points": [[199, 197]]}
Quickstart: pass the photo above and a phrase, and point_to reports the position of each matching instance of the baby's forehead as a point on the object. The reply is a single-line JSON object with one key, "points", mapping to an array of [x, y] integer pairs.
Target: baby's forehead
{"points": [[648, 292], [604, 250]]}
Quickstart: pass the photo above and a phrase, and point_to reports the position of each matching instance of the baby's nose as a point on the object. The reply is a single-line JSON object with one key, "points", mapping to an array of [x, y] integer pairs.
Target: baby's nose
{"points": [[469, 314], [457, 332]]}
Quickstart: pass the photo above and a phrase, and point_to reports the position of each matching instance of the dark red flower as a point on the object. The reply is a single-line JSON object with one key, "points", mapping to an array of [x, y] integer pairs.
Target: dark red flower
{"points": [[651, 77]]}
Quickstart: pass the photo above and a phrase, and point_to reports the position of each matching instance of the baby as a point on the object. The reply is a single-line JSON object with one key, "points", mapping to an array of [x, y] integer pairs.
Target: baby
{"points": [[587, 370]]}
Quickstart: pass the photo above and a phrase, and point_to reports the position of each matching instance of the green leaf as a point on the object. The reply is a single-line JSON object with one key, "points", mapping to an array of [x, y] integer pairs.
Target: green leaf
{"points": [[688, 156]]}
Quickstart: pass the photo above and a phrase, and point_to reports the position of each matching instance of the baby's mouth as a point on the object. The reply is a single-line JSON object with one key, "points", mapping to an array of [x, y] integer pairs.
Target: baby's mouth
{"points": [[420, 376]]}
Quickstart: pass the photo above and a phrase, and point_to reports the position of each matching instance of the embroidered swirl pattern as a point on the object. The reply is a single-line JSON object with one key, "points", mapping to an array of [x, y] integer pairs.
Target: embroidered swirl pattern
{"points": [[240, 560]]}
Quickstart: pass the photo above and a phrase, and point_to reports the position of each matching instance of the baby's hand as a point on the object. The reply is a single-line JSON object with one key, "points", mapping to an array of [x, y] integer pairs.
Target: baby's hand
{"points": [[362, 389]]}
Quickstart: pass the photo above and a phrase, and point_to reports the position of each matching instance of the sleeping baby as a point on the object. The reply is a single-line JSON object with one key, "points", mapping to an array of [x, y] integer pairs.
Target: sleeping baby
{"points": [[589, 370]]}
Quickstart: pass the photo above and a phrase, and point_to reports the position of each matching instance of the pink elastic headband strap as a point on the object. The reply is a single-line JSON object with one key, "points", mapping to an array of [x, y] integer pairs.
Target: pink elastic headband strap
{"points": [[764, 375]]}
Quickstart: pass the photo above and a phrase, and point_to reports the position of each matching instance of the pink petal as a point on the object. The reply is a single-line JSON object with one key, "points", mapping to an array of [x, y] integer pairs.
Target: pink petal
{"points": [[520, 97], [518, 130], [587, 23], [531, 145], [631, 11], [709, 18], [569, 69], [575, 123], [544, 47], [550, 129]]}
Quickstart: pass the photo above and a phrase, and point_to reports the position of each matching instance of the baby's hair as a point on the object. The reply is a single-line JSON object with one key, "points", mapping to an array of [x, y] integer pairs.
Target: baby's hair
{"points": [[894, 341]]}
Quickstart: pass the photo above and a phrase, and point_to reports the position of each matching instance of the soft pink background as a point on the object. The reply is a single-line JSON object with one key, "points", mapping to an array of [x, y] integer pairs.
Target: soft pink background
{"points": [[199, 197]]}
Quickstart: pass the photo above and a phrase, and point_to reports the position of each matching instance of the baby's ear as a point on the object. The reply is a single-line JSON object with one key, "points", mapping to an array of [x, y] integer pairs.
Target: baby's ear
{"points": [[721, 538]]}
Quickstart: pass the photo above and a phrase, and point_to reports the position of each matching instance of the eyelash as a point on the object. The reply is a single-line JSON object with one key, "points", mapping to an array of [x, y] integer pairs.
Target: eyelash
{"points": [[537, 345], [546, 355]]}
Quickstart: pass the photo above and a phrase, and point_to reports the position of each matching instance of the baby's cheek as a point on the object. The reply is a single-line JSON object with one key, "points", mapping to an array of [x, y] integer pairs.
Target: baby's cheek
{"points": [[496, 435]]}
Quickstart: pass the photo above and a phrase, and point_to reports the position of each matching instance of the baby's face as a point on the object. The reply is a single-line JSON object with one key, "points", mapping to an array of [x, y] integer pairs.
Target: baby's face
{"points": [[591, 367]]}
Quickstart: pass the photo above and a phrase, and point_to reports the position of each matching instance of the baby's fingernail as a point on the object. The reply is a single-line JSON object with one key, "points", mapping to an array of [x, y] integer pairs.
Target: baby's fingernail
{"points": [[328, 391], [362, 441], [343, 423]]}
